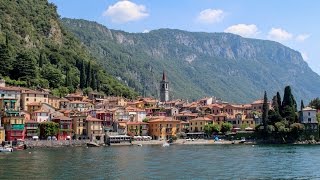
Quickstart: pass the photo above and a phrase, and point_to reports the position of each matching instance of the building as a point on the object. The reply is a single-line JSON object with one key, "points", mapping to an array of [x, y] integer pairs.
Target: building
{"points": [[31, 129], [54, 101], [14, 126], [198, 124], [9, 98], [32, 96], [40, 115], [79, 125], [94, 129], [65, 127], [164, 89], [309, 120], [2, 134], [163, 127], [137, 128]]}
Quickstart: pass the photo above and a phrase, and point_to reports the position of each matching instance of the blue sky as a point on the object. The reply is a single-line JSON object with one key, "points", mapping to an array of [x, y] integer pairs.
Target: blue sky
{"points": [[291, 22]]}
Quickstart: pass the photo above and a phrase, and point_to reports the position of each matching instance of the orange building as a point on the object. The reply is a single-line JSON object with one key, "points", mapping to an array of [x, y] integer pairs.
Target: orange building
{"points": [[163, 127]]}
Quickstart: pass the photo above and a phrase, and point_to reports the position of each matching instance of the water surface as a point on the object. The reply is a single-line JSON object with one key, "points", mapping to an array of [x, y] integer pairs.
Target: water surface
{"points": [[156, 162]]}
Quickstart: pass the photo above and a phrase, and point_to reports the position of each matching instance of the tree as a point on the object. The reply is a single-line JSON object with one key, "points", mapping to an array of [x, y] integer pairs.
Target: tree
{"points": [[226, 127], [265, 109], [279, 102], [53, 75], [24, 67], [82, 75], [301, 105], [289, 106], [89, 74], [5, 60], [315, 103], [208, 129], [48, 129]]}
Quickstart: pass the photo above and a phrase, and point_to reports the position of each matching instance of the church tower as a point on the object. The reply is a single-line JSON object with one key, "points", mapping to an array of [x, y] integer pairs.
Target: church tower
{"points": [[164, 88]]}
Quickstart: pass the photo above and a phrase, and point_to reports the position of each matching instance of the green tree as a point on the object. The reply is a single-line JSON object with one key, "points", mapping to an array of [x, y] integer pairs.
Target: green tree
{"points": [[226, 127], [5, 60], [48, 129], [89, 75], [24, 67], [53, 75], [315, 103], [289, 106], [208, 129], [279, 102], [265, 109], [301, 105], [82, 75]]}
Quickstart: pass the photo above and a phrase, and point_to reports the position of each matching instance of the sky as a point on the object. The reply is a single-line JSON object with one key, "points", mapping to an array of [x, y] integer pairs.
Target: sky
{"points": [[293, 23]]}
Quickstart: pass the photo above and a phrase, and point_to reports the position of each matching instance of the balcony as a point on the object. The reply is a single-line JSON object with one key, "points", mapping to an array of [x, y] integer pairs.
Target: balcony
{"points": [[32, 134], [31, 128]]}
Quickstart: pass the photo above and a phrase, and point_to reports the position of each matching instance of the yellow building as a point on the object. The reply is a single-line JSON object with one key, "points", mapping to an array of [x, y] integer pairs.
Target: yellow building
{"points": [[79, 124], [54, 101], [197, 124], [137, 128], [31, 96], [94, 129], [163, 127], [2, 134]]}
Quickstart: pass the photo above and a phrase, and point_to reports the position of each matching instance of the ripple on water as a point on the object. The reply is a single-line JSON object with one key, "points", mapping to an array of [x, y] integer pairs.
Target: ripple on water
{"points": [[156, 162]]}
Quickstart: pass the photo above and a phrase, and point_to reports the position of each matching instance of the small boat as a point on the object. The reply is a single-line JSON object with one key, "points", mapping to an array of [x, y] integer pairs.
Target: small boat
{"points": [[243, 140], [139, 144], [165, 144], [92, 144], [6, 149]]}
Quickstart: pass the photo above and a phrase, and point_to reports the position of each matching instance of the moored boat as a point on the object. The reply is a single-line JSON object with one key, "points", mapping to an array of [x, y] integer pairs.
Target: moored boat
{"points": [[92, 144], [6, 149]]}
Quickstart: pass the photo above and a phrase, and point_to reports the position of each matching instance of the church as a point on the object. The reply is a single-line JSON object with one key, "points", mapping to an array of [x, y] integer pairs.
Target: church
{"points": [[164, 88]]}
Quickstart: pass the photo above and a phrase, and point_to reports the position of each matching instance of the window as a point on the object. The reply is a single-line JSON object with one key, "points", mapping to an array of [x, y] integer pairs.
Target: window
{"points": [[27, 99], [309, 120], [35, 99], [308, 113]]}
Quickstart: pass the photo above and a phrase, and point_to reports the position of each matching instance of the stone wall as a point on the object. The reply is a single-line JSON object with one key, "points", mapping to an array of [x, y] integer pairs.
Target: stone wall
{"points": [[52, 143]]}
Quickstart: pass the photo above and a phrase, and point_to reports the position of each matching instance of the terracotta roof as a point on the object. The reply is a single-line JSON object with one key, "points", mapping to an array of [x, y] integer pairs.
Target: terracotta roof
{"points": [[30, 91], [78, 102], [260, 101], [74, 95], [308, 109], [40, 111], [34, 104], [62, 118], [163, 119], [201, 119], [11, 88], [135, 123], [90, 118]]}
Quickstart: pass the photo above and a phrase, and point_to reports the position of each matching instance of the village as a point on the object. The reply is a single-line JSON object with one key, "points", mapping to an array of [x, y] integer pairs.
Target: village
{"points": [[106, 119]]}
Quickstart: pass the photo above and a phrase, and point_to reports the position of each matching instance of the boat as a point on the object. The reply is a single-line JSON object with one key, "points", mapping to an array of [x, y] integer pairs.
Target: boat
{"points": [[6, 149], [243, 140], [139, 144], [165, 144], [92, 144]]}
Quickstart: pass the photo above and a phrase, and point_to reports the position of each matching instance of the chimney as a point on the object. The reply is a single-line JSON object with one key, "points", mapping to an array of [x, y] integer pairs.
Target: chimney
{"points": [[2, 83]]}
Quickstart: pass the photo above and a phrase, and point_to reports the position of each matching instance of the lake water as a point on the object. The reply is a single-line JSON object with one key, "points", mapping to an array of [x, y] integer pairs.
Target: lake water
{"points": [[157, 162]]}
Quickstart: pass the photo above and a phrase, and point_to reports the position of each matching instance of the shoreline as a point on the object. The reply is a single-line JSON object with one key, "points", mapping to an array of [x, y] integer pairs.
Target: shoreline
{"points": [[83, 143]]}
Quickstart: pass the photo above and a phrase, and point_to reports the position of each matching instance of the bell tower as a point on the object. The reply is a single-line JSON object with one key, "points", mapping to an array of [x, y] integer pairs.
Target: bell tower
{"points": [[164, 88]]}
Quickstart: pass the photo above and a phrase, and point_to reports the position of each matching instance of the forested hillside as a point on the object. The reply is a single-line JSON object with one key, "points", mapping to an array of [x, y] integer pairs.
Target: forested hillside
{"points": [[36, 51], [198, 64]]}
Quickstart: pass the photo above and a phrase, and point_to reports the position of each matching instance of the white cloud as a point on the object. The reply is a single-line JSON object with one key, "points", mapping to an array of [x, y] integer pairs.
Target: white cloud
{"points": [[305, 56], [146, 31], [210, 16], [125, 11], [279, 34], [245, 30], [302, 37]]}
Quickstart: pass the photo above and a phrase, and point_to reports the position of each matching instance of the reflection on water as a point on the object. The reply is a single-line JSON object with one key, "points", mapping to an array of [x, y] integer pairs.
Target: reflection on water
{"points": [[156, 162]]}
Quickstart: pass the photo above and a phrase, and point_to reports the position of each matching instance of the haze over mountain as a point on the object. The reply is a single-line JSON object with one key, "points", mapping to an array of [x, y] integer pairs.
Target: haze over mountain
{"points": [[198, 64]]}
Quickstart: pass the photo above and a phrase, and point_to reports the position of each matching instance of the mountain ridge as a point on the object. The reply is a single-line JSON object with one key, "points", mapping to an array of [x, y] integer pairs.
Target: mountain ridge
{"points": [[198, 63]]}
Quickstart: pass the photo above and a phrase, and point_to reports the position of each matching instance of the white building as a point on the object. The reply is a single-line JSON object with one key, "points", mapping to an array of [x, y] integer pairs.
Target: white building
{"points": [[309, 116]]}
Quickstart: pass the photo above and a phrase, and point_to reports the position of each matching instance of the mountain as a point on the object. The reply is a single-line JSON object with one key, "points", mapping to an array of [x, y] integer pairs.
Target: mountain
{"points": [[37, 51], [198, 64]]}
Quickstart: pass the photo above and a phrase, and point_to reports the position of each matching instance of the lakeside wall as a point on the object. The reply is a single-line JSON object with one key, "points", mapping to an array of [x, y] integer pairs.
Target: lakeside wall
{"points": [[59, 143]]}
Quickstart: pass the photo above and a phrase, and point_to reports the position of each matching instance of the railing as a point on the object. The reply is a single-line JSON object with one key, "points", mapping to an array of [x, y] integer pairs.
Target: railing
{"points": [[32, 134], [31, 127]]}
